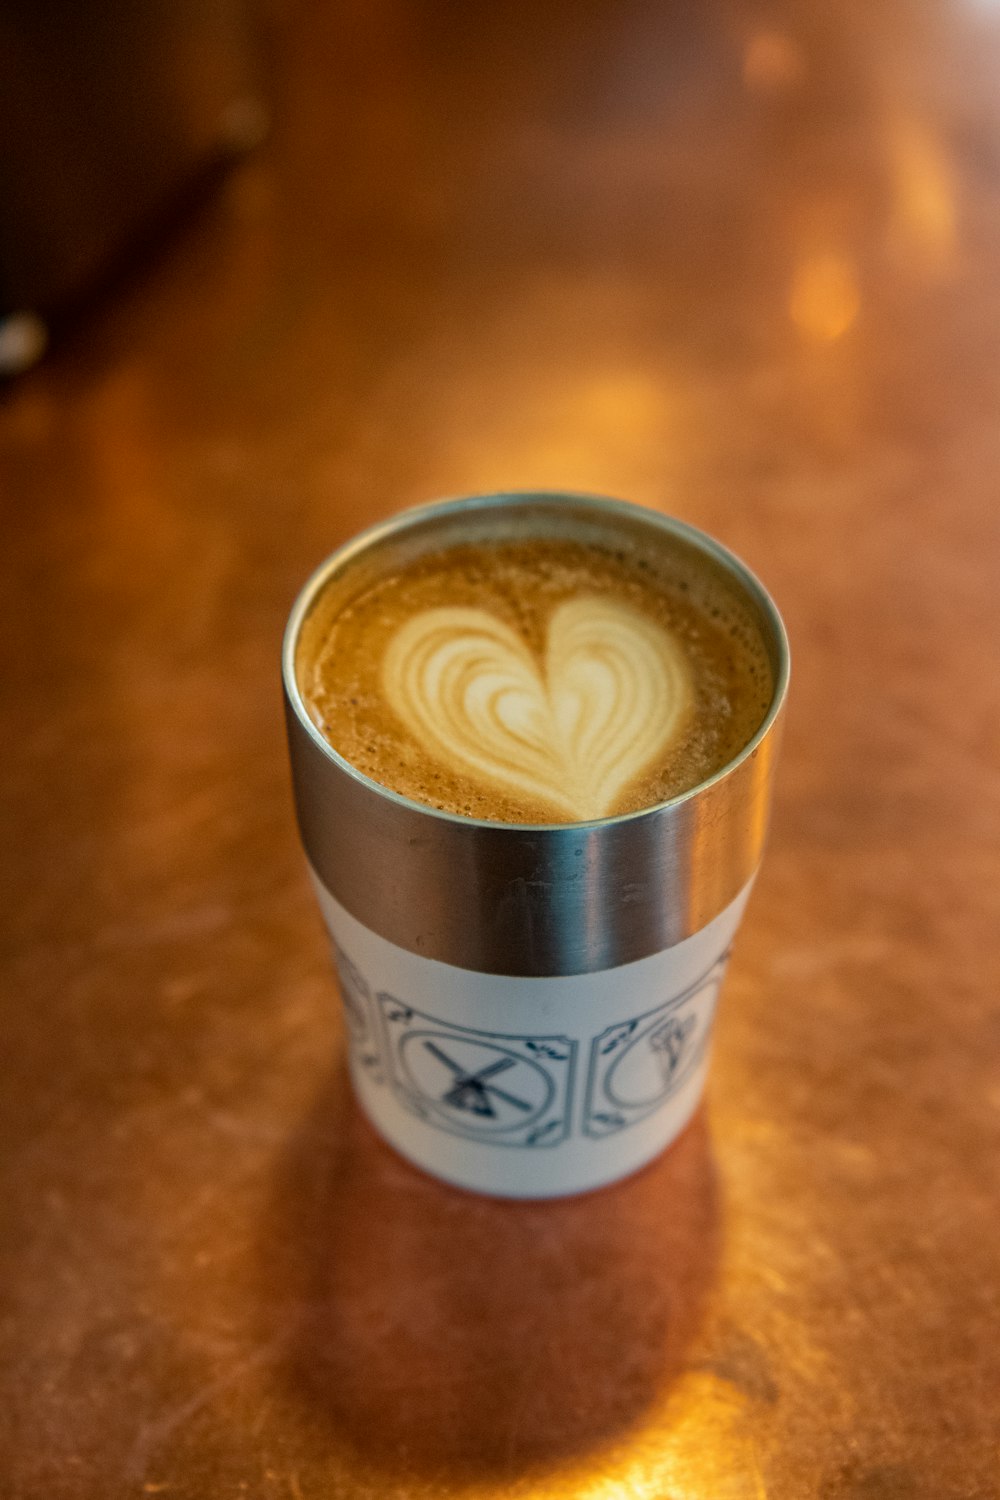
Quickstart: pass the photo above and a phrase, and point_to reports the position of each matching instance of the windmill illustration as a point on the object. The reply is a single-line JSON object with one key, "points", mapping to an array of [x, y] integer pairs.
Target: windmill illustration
{"points": [[474, 1091]]}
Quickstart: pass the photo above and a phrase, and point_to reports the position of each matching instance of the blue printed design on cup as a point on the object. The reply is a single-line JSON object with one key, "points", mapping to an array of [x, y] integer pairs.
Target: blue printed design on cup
{"points": [[482, 1085], [637, 1065], [362, 1033]]}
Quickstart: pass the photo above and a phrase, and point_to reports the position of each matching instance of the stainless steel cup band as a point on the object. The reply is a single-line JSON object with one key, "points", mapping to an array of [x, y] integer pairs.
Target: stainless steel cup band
{"points": [[517, 899]]}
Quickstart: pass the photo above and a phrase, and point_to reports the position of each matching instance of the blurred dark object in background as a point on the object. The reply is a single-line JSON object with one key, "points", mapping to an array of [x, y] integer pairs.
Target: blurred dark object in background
{"points": [[110, 111]]}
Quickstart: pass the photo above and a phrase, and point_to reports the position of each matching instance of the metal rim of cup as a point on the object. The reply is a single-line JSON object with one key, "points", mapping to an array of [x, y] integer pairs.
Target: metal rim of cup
{"points": [[334, 800]]}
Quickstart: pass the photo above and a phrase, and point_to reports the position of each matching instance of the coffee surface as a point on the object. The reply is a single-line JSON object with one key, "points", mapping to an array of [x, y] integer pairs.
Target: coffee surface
{"points": [[536, 681]]}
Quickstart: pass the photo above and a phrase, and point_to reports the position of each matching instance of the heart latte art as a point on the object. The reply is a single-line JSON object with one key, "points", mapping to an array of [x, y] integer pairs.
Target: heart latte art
{"points": [[572, 730]]}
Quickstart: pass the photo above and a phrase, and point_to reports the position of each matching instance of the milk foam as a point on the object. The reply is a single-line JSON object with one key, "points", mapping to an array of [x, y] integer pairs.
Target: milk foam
{"points": [[572, 730]]}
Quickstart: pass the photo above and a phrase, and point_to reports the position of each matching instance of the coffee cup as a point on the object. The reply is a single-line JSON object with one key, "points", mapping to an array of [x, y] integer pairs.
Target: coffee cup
{"points": [[530, 919]]}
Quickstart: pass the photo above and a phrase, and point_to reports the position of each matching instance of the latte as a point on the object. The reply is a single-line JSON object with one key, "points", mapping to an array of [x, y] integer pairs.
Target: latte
{"points": [[536, 678]]}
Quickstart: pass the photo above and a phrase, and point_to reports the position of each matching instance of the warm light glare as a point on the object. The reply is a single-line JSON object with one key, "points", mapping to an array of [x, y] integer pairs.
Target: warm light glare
{"points": [[707, 1452], [613, 403], [573, 427], [772, 63], [923, 193], [824, 299]]}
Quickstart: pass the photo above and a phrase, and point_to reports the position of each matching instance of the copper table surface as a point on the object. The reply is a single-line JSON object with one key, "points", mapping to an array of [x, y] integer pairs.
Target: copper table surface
{"points": [[739, 263]]}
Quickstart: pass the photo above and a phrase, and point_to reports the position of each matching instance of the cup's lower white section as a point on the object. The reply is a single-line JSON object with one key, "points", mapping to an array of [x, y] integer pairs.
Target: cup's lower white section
{"points": [[528, 1088]]}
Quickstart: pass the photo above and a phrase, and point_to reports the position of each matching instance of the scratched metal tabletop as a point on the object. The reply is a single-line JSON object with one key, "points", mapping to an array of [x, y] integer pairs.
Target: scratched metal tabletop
{"points": [[740, 263]]}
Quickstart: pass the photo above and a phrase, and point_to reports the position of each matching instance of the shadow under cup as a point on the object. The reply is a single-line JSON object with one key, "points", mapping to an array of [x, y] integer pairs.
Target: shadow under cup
{"points": [[529, 1008]]}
